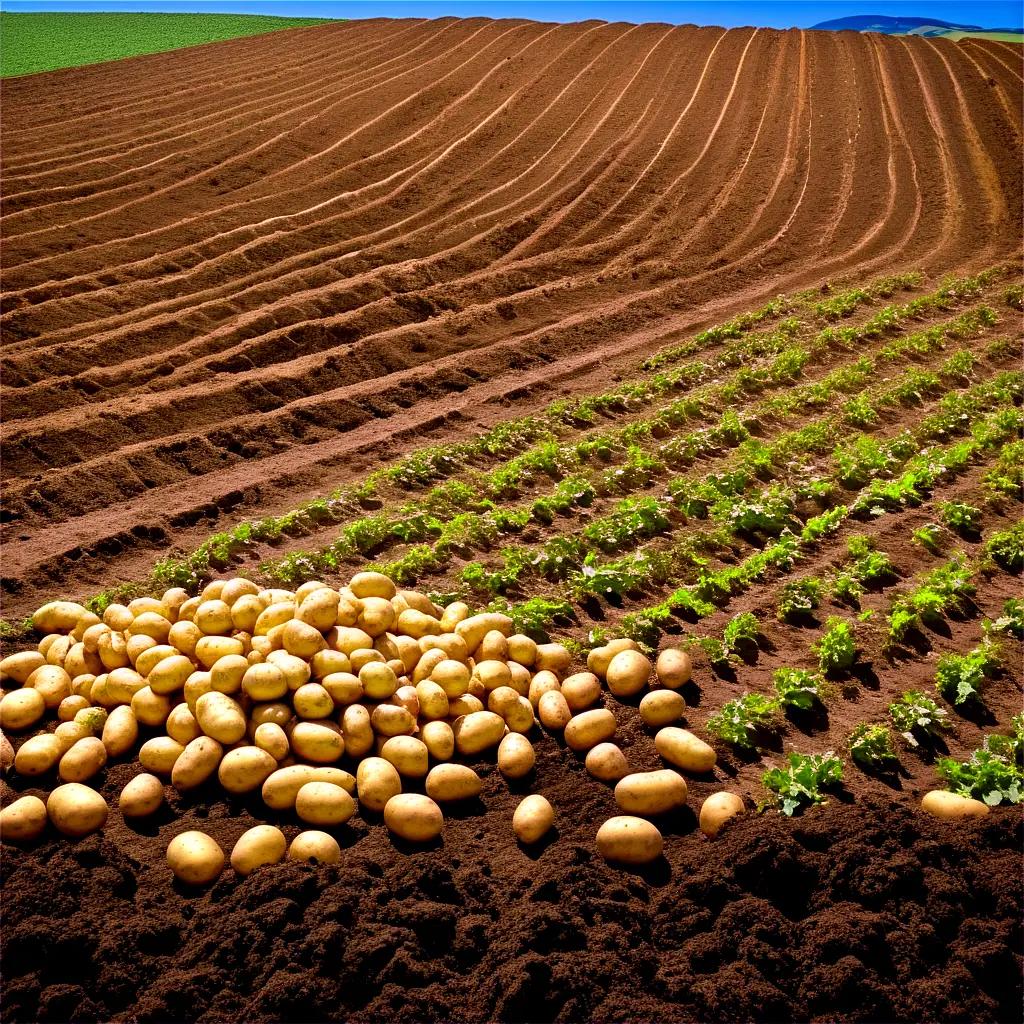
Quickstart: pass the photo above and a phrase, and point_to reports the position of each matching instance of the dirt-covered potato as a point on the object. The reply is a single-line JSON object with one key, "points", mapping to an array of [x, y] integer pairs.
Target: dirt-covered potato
{"points": [[269, 736], [120, 731], [195, 858], [58, 617], [716, 810], [263, 844], [681, 748], [316, 846], [408, 754], [628, 673], [413, 817], [629, 840], [160, 754], [532, 818], [478, 731], [142, 796], [23, 820], [38, 754], [447, 782], [323, 803], [607, 762], [76, 810]]}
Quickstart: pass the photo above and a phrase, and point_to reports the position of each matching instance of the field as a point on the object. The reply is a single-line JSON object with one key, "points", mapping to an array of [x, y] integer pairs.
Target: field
{"points": [[46, 41], [696, 337]]}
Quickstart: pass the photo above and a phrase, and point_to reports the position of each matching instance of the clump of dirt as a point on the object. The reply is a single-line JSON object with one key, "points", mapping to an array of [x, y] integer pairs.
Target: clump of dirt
{"points": [[862, 912]]}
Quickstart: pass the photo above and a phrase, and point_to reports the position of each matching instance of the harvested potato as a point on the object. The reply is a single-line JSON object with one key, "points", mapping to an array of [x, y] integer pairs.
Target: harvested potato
{"points": [[21, 709], [451, 675], [581, 691], [943, 804], [150, 708], [220, 717], [651, 792], [447, 782], [516, 756], [244, 769], [413, 817], [312, 701], [541, 683], [227, 673], [552, 658], [681, 748], [69, 733], [302, 640], [673, 668], [553, 710], [433, 701], [282, 786], [532, 818], [323, 803], [372, 584], [6, 752], [181, 725], [142, 796], [20, 666], [213, 617], [600, 657], [272, 738], [357, 728], [586, 730], [454, 614], [38, 754], [296, 671], [607, 762], [409, 755], [716, 810], [195, 858], [263, 844], [439, 740], [377, 781], [264, 682], [23, 820], [160, 754], [474, 628], [522, 650], [316, 846], [319, 609], [83, 760], [53, 683], [628, 673], [58, 617], [120, 731], [629, 840], [198, 761], [392, 720], [475, 732], [662, 707], [76, 810], [378, 680]]}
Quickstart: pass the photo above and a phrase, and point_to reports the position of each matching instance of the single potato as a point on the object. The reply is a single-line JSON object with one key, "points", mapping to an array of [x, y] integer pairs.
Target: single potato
{"points": [[195, 858], [76, 810], [377, 781], [316, 846], [588, 729], [142, 796], [716, 810], [516, 756], [607, 762], [655, 792], [662, 707], [943, 804], [628, 840], [413, 817], [532, 818], [23, 820], [322, 803], [264, 844], [447, 782], [673, 668], [681, 748]]}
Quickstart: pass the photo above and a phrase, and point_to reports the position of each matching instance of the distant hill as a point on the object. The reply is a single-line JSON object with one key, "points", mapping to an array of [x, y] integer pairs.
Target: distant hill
{"points": [[906, 26]]}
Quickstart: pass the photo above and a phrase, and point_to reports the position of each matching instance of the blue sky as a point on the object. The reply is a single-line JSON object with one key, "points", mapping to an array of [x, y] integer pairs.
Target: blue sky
{"points": [[778, 14]]}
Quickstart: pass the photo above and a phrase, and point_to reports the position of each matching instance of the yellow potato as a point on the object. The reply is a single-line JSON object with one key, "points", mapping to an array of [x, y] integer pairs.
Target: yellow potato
{"points": [[58, 617], [372, 584], [81, 686], [522, 650], [377, 781], [520, 681], [349, 639], [519, 716], [213, 618], [76, 810], [227, 673], [184, 636], [943, 804], [38, 754], [662, 707], [541, 683], [464, 705], [319, 609], [245, 612], [70, 706], [411, 622], [532, 818], [272, 738], [552, 658], [376, 616], [447, 782], [439, 740], [327, 662], [244, 769], [681, 748], [147, 604], [142, 796], [366, 656], [716, 810], [378, 680], [628, 673], [454, 614], [476, 732], [335, 776], [451, 675], [121, 685], [91, 637], [312, 701], [357, 728], [113, 651], [150, 708], [516, 756], [94, 719], [69, 733], [629, 840], [21, 709], [581, 691], [151, 624], [6, 752], [159, 755], [422, 603], [607, 762], [493, 646], [282, 786], [83, 760], [296, 671], [195, 858], [651, 792], [553, 710], [137, 644], [52, 682], [600, 657], [674, 668], [80, 662], [322, 803], [301, 639], [264, 844], [210, 649], [117, 616], [451, 645], [343, 687], [197, 763], [220, 717], [317, 846], [264, 681], [492, 674], [501, 699], [408, 754], [413, 817], [23, 820], [588, 729], [20, 666], [475, 627], [120, 731], [392, 720], [181, 725], [433, 701]]}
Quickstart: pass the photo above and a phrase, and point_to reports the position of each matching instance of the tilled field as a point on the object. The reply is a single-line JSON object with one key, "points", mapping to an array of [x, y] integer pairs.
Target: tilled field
{"points": [[628, 330]]}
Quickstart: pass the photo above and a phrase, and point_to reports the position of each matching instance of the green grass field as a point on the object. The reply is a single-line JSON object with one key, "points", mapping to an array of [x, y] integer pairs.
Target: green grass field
{"points": [[45, 41], [1005, 37]]}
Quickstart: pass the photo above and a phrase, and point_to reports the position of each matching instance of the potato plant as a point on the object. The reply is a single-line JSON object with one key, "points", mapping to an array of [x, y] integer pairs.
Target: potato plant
{"points": [[803, 781]]}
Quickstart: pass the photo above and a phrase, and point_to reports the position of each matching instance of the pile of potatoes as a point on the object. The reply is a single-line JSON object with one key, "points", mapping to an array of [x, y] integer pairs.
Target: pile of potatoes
{"points": [[274, 691]]}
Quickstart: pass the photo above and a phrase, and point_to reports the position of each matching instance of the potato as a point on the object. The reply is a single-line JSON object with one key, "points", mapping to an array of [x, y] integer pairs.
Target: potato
{"points": [[23, 820], [264, 682], [475, 627], [282, 786], [366, 656], [674, 668], [198, 761], [451, 645], [296, 671], [581, 691], [335, 776], [159, 755], [227, 673], [181, 725], [516, 756], [372, 584], [717, 809], [322, 803], [588, 729], [81, 662], [413, 817], [522, 649], [378, 680], [532, 818], [408, 754], [38, 754], [476, 732], [651, 792], [220, 717], [272, 738], [377, 616], [464, 705], [520, 678], [151, 624], [451, 675], [492, 674], [600, 657], [213, 617], [69, 733], [501, 699], [210, 649], [147, 604], [319, 609], [433, 701], [317, 846], [552, 658], [411, 622], [58, 617], [312, 701], [493, 646], [137, 645], [6, 752], [357, 728], [392, 720], [943, 804], [21, 709], [195, 858], [681, 748], [553, 710], [454, 614], [94, 719], [607, 762], [57, 650], [20, 666], [120, 731], [439, 740], [377, 781], [661, 707], [142, 796], [422, 603], [519, 716], [76, 810], [301, 639], [52, 682], [113, 651], [263, 844], [327, 662], [541, 683], [150, 708], [81, 686], [245, 613], [244, 769], [628, 673], [448, 782], [629, 840], [91, 637], [83, 760], [343, 687], [70, 706]]}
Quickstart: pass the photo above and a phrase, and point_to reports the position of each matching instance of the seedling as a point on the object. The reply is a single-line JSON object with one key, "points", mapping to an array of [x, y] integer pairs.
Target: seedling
{"points": [[837, 648], [871, 747], [917, 712], [799, 598], [739, 720], [965, 519], [986, 775], [928, 537], [959, 677], [798, 688], [801, 781]]}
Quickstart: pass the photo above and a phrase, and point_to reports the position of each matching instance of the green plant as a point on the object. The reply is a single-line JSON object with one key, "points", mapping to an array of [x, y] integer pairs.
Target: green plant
{"points": [[915, 711], [741, 631], [961, 517], [928, 537], [988, 776], [739, 720], [1007, 548], [798, 688], [871, 747], [799, 598], [837, 648], [959, 677], [801, 781], [1011, 621]]}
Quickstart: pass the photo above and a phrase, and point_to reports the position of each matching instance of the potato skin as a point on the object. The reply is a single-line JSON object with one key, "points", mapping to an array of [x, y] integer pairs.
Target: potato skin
{"points": [[477, 731], [662, 707], [629, 840], [244, 769], [38, 754], [588, 729], [413, 817], [264, 844], [409, 755], [23, 820], [76, 810], [315, 845], [377, 782], [628, 673], [447, 782], [651, 792], [673, 668], [195, 858], [198, 761], [323, 803], [83, 760], [516, 756], [532, 819], [942, 804], [120, 731], [21, 709], [717, 809], [142, 796], [681, 748], [607, 762]]}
